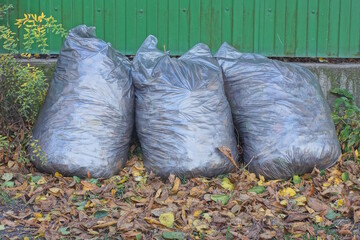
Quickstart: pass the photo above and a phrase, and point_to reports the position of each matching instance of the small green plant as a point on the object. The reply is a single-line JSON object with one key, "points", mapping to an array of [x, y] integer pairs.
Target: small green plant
{"points": [[22, 92], [36, 28], [346, 116], [35, 31]]}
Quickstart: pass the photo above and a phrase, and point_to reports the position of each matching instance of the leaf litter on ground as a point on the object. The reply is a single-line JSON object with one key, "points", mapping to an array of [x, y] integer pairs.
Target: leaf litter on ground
{"points": [[139, 205]]}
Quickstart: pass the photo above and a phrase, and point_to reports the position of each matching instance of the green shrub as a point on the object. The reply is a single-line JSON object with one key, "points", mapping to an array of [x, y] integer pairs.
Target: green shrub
{"points": [[346, 116], [22, 92]]}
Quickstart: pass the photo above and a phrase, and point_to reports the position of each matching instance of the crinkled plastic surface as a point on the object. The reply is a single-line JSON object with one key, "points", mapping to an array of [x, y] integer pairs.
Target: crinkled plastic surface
{"points": [[86, 122], [182, 114], [282, 117]]}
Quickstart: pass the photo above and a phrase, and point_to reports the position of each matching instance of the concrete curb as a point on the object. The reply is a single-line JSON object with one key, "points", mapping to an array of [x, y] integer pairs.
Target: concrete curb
{"points": [[343, 75]]}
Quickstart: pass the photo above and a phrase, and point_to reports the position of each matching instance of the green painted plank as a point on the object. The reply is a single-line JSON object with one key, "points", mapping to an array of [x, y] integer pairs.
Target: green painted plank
{"points": [[323, 31], [130, 26], [313, 27], [34, 8], [205, 22], [174, 27], [141, 22], [249, 28], [195, 22], [355, 29], [301, 28], [216, 28], [23, 8], [280, 27], [238, 26], [109, 24], [258, 24], [344, 32], [334, 19], [78, 13], [99, 19], [227, 22], [290, 28], [163, 25], [269, 28], [152, 17], [304, 28], [55, 10], [89, 11], [184, 23], [120, 26]]}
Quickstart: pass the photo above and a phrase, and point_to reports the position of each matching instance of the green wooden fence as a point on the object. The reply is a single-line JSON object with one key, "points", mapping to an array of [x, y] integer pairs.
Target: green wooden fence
{"points": [[291, 28]]}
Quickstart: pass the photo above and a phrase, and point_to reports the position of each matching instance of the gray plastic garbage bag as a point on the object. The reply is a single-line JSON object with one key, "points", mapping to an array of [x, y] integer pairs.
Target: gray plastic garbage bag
{"points": [[86, 122], [182, 114], [281, 115]]}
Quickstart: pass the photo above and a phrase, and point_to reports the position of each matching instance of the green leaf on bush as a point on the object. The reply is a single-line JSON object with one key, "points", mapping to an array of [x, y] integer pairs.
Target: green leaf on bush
{"points": [[174, 235], [257, 189], [100, 214], [296, 179], [345, 176], [220, 198], [331, 215]]}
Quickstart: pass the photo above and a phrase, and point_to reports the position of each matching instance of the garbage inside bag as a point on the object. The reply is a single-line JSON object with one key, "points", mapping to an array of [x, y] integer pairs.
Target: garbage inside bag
{"points": [[282, 117], [86, 122], [182, 114]]}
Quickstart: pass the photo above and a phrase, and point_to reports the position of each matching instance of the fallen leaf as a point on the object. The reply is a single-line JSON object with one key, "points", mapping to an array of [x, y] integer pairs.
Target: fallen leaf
{"points": [[58, 175], [316, 204], [220, 198], [167, 219], [296, 179], [174, 235], [100, 214], [287, 192], [227, 152], [332, 215], [257, 189], [175, 188], [227, 184], [54, 190], [318, 219], [7, 176], [300, 201]]}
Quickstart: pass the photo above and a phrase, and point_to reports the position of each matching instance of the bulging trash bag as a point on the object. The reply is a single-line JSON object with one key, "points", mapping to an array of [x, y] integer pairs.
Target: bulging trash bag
{"points": [[86, 122], [182, 114], [282, 117]]}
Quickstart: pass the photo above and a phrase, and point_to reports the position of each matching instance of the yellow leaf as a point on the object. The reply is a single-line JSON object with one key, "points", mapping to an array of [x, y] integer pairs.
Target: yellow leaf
{"points": [[337, 181], [38, 215], [54, 190], [167, 219], [287, 192], [175, 188], [207, 217], [340, 202], [326, 184], [310, 210], [197, 213], [269, 213], [284, 202], [200, 225], [18, 195], [26, 238], [113, 192], [300, 201], [41, 181], [356, 153], [227, 184], [318, 219]]}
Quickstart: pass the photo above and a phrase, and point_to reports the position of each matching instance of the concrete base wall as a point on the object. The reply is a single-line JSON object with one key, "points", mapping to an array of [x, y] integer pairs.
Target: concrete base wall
{"points": [[330, 76]]}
